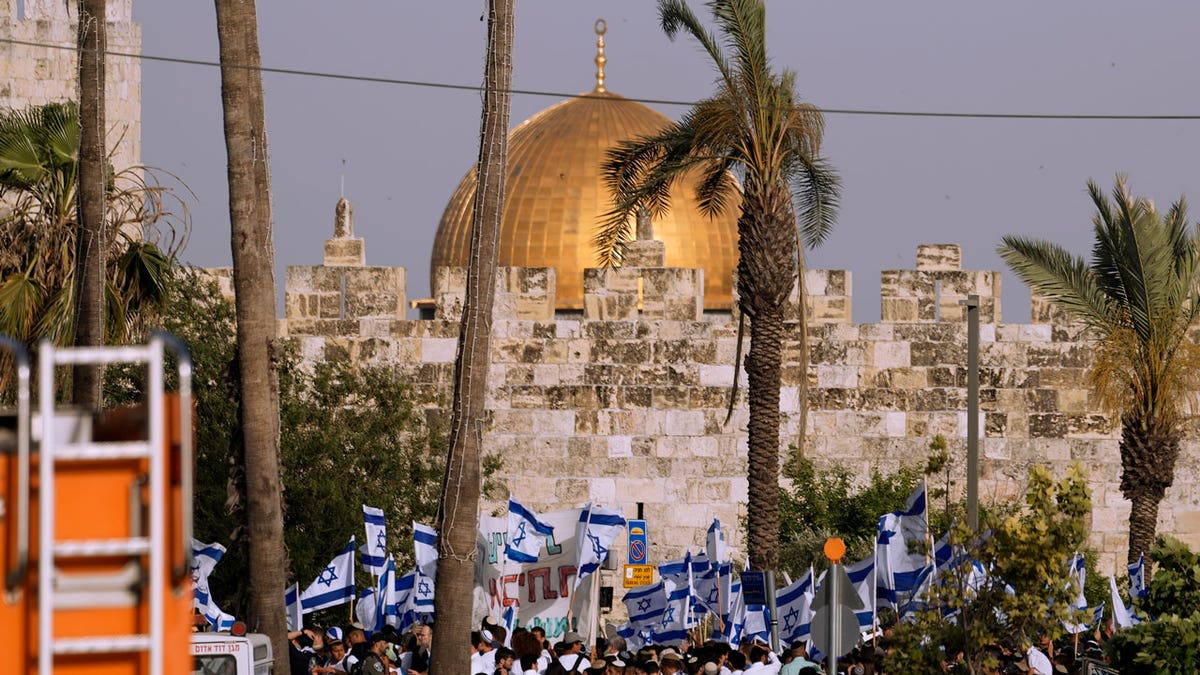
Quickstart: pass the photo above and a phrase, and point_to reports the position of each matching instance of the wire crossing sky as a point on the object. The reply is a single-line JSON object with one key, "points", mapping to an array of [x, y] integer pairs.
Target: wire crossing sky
{"points": [[949, 122]]}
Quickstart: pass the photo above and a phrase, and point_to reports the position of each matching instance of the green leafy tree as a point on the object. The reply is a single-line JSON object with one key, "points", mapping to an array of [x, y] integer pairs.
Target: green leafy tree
{"points": [[144, 227], [755, 125], [1138, 296], [1025, 593], [822, 503], [1170, 644]]}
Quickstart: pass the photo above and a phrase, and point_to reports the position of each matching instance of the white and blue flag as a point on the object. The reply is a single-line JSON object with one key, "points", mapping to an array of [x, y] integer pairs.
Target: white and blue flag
{"points": [[204, 558], [425, 549], [714, 544], [598, 528], [291, 601], [674, 628], [1120, 612], [712, 589], [1137, 578], [374, 549], [899, 571], [334, 584], [794, 607], [648, 604], [862, 578], [634, 639], [526, 533]]}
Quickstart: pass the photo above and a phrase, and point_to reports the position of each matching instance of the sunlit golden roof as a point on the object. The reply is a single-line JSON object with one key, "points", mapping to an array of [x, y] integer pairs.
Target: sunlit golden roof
{"points": [[555, 197]]}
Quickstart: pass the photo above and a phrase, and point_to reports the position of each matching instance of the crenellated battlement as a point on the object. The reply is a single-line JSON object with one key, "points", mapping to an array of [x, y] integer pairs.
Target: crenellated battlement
{"points": [[625, 402]]}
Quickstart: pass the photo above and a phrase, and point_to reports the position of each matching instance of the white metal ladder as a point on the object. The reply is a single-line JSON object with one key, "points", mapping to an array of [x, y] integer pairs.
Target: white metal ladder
{"points": [[154, 544]]}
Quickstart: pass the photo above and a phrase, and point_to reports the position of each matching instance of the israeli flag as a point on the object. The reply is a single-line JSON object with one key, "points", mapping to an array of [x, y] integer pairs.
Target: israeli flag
{"points": [[648, 604], [674, 627], [598, 528], [712, 589], [334, 585], [526, 533], [731, 629], [204, 558], [388, 613], [374, 550], [715, 544], [509, 620], [1137, 578], [862, 578], [684, 572], [899, 572], [425, 548], [291, 601], [794, 606], [634, 639], [366, 610]]}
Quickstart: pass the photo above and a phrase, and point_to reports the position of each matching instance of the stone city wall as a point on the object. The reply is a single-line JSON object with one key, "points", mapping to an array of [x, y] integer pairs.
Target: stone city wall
{"points": [[48, 71], [625, 402]]}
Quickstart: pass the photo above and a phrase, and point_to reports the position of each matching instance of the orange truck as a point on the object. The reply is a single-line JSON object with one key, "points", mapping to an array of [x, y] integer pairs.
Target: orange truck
{"points": [[95, 520]]}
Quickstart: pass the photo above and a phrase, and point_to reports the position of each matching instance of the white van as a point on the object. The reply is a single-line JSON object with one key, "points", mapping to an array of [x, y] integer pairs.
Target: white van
{"points": [[226, 654]]}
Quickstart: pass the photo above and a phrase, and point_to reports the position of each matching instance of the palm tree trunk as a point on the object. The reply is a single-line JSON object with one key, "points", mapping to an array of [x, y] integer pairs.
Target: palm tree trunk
{"points": [[1149, 451], [767, 246], [254, 286], [89, 243], [458, 516]]}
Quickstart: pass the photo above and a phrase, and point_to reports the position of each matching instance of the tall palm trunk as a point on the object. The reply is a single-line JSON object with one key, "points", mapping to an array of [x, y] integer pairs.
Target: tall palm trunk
{"points": [[254, 285], [89, 242], [767, 269], [458, 516], [1149, 450]]}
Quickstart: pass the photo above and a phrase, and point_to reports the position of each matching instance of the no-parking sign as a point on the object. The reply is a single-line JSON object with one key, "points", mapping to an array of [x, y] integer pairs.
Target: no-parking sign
{"points": [[637, 542]]}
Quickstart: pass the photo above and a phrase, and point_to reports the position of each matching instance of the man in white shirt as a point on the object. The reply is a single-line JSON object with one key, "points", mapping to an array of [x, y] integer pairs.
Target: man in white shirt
{"points": [[1038, 662]]}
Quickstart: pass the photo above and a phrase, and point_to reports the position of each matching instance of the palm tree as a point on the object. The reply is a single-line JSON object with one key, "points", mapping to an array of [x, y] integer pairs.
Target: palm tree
{"points": [[39, 187], [254, 288], [93, 164], [752, 124], [1138, 297], [458, 513]]}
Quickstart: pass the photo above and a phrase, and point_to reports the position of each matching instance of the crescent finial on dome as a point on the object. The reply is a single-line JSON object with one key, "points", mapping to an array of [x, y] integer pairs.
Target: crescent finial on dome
{"points": [[601, 29]]}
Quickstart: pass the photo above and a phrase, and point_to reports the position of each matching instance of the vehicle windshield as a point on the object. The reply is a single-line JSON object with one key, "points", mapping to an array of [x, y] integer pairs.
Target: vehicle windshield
{"points": [[214, 664]]}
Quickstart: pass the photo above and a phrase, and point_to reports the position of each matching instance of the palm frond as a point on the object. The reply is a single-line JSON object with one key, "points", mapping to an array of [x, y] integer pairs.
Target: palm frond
{"points": [[675, 15], [1065, 279], [817, 195], [743, 24], [716, 188]]}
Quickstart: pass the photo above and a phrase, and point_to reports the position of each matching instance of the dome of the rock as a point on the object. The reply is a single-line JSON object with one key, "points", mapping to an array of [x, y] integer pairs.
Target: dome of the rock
{"points": [[555, 198]]}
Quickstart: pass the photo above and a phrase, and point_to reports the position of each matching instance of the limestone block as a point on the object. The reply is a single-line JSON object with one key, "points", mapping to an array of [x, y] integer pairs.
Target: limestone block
{"points": [[893, 309], [644, 253], [345, 252], [620, 446], [939, 257], [438, 350]]}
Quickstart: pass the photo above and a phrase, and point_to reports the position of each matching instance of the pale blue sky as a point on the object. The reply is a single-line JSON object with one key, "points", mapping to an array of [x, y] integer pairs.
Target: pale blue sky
{"points": [[907, 180]]}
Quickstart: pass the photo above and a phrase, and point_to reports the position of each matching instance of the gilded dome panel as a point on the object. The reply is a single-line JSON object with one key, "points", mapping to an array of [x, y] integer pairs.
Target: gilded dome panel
{"points": [[555, 197]]}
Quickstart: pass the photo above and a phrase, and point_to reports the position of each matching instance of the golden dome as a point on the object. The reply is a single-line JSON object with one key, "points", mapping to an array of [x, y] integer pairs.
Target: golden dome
{"points": [[555, 197]]}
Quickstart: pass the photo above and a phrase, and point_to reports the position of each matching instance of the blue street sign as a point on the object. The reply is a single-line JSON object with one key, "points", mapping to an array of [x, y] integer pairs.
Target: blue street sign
{"points": [[754, 587], [637, 542]]}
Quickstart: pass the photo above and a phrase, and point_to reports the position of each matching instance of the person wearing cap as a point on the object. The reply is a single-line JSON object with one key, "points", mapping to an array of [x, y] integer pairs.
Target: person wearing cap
{"points": [[615, 664], [571, 658], [483, 659]]}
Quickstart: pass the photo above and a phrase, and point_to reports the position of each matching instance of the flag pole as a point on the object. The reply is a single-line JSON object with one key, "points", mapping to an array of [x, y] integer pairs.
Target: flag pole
{"points": [[578, 547]]}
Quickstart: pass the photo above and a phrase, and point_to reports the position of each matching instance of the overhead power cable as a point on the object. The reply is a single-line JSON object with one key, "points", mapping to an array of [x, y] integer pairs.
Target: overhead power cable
{"points": [[653, 101]]}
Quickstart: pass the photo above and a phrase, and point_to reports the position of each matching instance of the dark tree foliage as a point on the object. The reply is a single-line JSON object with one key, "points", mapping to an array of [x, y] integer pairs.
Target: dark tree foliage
{"points": [[1171, 642]]}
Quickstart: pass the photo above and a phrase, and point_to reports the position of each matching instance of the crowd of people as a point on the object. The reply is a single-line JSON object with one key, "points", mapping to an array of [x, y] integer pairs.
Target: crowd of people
{"points": [[528, 652]]}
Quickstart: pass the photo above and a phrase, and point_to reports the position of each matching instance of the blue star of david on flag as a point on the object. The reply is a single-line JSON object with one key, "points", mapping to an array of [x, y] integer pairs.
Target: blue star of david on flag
{"points": [[381, 541], [334, 585], [423, 588], [669, 616], [598, 549], [790, 619], [644, 604], [328, 576], [526, 533]]}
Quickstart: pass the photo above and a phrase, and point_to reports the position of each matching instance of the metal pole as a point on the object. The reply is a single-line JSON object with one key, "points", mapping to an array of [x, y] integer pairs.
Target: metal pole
{"points": [[834, 617], [972, 305], [772, 610]]}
